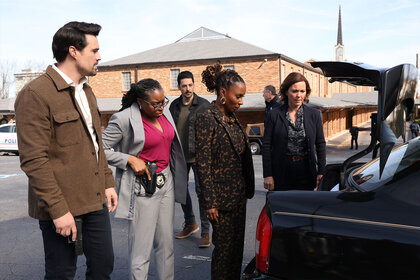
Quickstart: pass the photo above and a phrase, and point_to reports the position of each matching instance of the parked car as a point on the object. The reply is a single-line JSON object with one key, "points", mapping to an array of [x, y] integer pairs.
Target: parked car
{"points": [[370, 228], [255, 133], [8, 138]]}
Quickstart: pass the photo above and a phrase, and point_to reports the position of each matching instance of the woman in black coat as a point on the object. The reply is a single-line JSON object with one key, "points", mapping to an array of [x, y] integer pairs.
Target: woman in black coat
{"points": [[225, 170], [294, 153]]}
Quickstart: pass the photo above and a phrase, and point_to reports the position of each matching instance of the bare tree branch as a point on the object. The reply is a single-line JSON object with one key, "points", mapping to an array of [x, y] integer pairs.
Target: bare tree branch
{"points": [[7, 69]]}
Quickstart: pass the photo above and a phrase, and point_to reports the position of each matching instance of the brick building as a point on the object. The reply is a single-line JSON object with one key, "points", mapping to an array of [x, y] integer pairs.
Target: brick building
{"points": [[257, 66]]}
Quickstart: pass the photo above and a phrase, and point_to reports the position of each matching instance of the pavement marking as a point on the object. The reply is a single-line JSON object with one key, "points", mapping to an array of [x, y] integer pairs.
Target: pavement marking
{"points": [[2, 176], [197, 258], [202, 258]]}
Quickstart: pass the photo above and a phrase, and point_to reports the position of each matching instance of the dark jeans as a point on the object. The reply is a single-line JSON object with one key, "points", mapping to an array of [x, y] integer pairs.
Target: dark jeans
{"points": [[60, 258], [187, 208], [354, 138]]}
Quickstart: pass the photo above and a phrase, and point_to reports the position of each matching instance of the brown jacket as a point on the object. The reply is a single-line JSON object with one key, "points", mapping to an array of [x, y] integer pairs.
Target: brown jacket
{"points": [[56, 151], [226, 177]]}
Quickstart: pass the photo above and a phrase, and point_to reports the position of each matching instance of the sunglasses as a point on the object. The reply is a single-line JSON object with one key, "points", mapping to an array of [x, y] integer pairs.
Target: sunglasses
{"points": [[157, 106]]}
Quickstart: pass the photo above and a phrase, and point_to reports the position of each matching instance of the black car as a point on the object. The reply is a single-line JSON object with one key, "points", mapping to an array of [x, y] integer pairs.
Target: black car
{"points": [[370, 228]]}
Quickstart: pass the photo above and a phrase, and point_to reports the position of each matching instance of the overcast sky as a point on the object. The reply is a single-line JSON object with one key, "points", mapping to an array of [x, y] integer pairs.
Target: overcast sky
{"points": [[381, 33]]}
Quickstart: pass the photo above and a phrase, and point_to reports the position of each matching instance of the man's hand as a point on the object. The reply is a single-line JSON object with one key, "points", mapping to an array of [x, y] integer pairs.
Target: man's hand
{"points": [[111, 199], [65, 226], [138, 166], [269, 183]]}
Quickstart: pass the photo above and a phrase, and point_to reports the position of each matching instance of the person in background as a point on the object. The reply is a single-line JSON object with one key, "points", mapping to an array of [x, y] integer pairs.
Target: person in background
{"points": [[294, 149], [185, 110], [354, 132], [60, 148], [225, 170], [271, 98], [143, 132], [415, 128]]}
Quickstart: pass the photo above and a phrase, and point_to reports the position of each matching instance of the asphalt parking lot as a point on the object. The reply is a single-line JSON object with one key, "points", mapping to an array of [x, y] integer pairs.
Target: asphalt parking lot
{"points": [[21, 253]]}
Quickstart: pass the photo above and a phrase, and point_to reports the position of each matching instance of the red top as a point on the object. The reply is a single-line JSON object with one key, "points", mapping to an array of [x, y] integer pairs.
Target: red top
{"points": [[157, 144]]}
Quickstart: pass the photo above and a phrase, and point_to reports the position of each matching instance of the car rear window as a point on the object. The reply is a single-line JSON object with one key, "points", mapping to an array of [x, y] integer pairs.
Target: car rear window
{"points": [[401, 158], [255, 130]]}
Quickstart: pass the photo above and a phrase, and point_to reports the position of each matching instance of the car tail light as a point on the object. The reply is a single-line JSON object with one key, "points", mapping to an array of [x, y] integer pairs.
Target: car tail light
{"points": [[263, 241]]}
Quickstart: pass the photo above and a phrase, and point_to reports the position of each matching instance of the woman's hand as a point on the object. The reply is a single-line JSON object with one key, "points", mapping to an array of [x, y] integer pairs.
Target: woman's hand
{"points": [[139, 166], [318, 179], [212, 214], [269, 183]]}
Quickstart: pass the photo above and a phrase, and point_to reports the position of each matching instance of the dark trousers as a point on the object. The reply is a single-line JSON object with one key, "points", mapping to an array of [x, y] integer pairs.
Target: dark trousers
{"points": [[354, 139], [60, 258], [228, 239], [187, 208], [298, 176]]}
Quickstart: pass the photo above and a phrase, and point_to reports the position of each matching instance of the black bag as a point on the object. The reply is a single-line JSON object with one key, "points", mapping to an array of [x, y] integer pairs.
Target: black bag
{"points": [[149, 186]]}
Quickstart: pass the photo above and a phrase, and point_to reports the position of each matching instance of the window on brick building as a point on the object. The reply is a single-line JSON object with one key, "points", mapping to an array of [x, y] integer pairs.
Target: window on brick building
{"points": [[174, 78], [229, 67], [126, 81]]}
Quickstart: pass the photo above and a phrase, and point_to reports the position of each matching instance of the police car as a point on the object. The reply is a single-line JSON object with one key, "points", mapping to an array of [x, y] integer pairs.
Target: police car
{"points": [[8, 138]]}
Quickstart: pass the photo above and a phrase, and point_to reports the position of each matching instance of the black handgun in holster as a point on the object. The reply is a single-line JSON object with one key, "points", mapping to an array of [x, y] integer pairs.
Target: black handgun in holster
{"points": [[78, 244], [149, 186]]}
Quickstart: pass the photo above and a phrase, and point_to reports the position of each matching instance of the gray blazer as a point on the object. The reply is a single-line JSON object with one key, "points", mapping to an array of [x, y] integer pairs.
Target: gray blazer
{"points": [[124, 136]]}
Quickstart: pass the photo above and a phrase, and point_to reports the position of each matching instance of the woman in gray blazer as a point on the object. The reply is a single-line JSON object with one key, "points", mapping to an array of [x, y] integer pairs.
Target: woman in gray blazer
{"points": [[143, 131]]}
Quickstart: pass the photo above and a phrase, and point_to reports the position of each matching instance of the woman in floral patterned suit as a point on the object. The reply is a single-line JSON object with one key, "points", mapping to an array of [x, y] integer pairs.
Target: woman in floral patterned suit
{"points": [[225, 170]]}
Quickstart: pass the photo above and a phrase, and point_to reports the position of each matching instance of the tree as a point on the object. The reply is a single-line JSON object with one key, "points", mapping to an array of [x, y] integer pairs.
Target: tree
{"points": [[7, 69]]}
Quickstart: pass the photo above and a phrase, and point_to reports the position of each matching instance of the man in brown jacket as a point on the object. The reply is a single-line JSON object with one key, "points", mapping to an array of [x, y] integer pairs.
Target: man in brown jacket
{"points": [[60, 147]]}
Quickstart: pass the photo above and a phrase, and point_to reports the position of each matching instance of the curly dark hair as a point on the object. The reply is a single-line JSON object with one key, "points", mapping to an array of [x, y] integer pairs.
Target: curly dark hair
{"points": [[140, 90], [72, 34], [215, 78], [291, 79]]}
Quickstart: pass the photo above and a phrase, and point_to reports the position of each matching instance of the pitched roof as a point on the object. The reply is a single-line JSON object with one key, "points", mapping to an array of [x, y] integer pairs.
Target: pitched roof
{"points": [[200, 44], [202, 33], [345, 100], [252, 101]]}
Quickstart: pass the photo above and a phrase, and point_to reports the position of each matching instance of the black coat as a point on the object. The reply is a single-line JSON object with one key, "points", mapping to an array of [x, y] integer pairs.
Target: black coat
{"points": [[273, 104], [198, 106], [276, 138]]}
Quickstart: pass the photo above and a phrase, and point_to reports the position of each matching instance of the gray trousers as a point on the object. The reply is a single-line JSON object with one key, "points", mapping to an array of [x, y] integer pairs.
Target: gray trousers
{"points": [[152, 228]]}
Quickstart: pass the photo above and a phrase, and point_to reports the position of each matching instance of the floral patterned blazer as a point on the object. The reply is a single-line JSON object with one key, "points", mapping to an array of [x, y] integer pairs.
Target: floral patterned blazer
{"points": [[225, 168]]}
